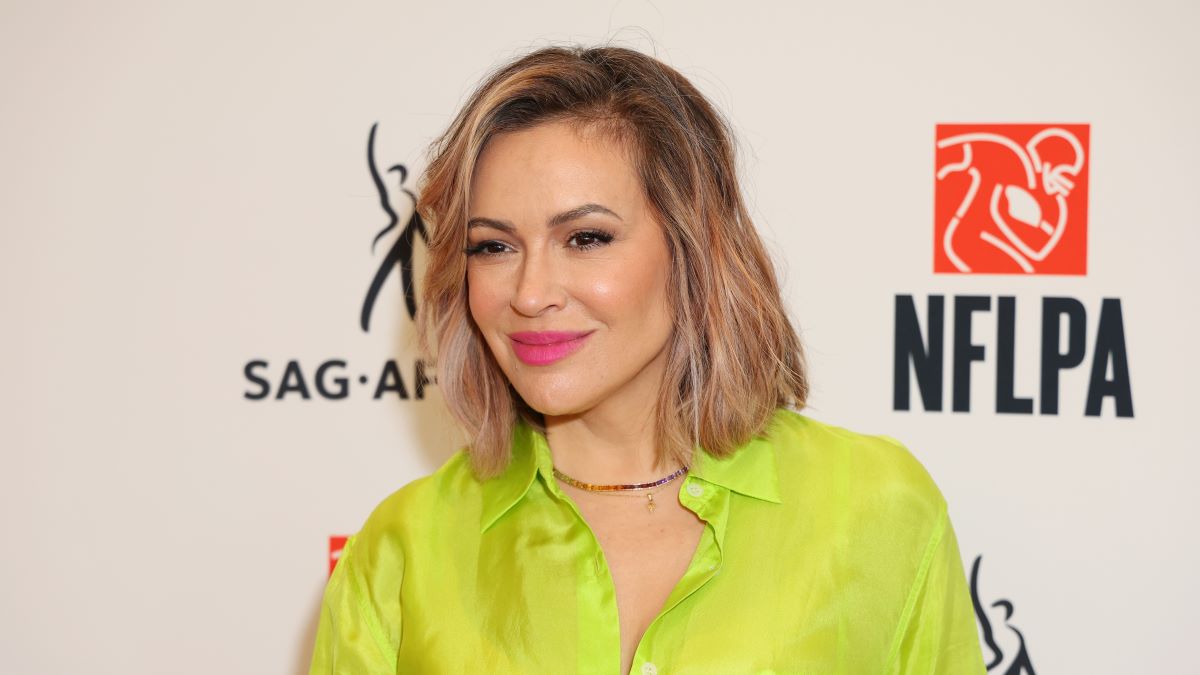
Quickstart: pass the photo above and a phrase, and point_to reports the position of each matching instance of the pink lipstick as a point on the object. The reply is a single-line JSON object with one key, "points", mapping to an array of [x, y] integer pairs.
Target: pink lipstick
{"points": [[545, 347]]}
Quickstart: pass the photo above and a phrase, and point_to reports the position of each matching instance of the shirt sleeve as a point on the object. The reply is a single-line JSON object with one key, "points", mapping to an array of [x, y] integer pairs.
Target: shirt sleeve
{"points": [[350, 638], [937, 633]]}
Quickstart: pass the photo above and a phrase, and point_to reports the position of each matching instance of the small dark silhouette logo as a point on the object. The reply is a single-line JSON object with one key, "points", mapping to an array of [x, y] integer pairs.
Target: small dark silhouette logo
{"points": [[1009, 654], [401, 252]]}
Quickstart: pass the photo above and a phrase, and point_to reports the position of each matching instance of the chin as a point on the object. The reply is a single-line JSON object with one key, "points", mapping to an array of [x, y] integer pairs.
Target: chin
{"points": [[553, 406], [554, 401], [551, 410]]}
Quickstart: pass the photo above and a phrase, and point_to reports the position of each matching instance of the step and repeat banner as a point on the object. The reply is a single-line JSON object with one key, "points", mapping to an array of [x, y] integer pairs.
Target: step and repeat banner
{"points": [[984, 218]]}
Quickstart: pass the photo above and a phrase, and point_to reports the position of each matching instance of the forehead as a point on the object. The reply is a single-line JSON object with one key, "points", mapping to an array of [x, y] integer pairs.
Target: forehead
{"points": [[550, 166]]}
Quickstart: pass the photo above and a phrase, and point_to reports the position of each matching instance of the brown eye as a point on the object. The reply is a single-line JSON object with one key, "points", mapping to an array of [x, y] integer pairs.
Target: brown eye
{"points": [[589, 239], [486, 248]]}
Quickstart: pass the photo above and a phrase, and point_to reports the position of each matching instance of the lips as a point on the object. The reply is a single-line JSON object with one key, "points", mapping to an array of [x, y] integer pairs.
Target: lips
{"points": [[545, 347]]}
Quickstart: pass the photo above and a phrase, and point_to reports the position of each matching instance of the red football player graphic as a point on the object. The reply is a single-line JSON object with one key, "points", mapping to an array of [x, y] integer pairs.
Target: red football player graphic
{"points": [[1011, 199], [336, 544]]}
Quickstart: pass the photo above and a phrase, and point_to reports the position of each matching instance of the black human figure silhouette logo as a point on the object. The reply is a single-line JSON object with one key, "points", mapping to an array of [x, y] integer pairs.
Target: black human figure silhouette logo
{"points": [[401, 252], [1009, 654]]}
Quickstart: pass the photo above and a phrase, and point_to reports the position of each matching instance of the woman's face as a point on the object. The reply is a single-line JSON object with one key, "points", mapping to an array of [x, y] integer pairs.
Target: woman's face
{"points": [[567, 270]]}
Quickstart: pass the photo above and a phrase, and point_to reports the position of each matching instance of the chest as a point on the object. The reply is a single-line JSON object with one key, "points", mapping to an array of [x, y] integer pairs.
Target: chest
{"points": [[646, 553], [547, 589]]}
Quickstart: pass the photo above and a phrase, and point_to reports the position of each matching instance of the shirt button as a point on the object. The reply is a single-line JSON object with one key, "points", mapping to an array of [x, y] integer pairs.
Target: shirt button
{"points": [[694, 490], [649, 669]]}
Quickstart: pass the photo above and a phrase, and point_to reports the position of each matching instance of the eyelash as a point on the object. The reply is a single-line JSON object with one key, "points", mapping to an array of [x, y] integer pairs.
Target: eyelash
{"points": [[599, 237]]}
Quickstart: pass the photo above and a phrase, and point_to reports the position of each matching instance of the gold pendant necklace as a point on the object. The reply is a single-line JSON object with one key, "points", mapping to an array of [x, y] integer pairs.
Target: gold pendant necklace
{"points": [[622, 489]]}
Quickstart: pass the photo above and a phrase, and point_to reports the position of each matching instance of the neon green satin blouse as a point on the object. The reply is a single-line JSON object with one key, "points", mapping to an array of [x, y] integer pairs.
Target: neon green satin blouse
{"points": [[824, 551]]}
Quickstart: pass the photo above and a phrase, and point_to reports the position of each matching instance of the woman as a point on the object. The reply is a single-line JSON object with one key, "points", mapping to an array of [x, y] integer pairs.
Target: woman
{"points": [[640, 495]]}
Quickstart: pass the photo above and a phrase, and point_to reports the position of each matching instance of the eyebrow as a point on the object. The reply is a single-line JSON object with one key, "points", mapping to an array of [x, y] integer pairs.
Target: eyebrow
{"points": [[556, 220]]}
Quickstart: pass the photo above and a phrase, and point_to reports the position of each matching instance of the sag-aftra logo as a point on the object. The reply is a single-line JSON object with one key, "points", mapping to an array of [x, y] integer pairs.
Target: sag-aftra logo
{"points": [[394, 249]]}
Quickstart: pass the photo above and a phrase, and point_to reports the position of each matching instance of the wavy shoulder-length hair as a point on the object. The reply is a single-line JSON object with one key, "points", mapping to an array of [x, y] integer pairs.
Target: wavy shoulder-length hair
{"points": [[734, 357]]}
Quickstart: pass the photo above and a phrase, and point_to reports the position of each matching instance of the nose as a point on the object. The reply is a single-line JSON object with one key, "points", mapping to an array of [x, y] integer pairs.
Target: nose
{"points": [[539, 284]]}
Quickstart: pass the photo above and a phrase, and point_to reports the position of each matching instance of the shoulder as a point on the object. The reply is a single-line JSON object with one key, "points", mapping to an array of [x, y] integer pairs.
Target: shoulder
{"points": [[363, 596], [419, 510], [867, 470]]}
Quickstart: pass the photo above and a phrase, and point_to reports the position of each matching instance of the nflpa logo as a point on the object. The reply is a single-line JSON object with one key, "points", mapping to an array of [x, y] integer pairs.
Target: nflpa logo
{"points": [[1011, 199]]}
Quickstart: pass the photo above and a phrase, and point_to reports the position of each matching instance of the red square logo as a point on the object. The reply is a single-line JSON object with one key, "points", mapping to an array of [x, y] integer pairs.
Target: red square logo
{"points": [[336, 544], [1010, 199]]}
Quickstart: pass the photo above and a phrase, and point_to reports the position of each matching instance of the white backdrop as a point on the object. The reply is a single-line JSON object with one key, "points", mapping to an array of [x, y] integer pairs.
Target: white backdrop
{"points": [[184, 190]]}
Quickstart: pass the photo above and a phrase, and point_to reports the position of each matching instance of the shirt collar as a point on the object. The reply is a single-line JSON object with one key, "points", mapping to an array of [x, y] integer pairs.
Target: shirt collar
{"points": [[751, 471], [530, 453]]}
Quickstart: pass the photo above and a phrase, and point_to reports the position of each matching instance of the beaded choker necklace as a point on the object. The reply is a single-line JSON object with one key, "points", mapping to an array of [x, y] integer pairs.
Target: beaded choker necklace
{"points": [[622, 488]]}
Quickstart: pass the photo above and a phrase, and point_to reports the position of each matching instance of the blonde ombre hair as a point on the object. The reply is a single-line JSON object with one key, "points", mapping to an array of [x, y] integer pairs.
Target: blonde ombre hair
{"points": [[734, 357]]}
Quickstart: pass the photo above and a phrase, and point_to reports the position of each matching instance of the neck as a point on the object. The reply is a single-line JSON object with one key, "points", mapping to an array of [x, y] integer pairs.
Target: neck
{"points": [[614, 441], [605, 449]]}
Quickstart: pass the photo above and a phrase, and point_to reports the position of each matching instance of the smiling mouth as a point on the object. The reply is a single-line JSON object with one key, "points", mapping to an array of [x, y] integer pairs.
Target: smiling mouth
{"points": [[544, 348]]}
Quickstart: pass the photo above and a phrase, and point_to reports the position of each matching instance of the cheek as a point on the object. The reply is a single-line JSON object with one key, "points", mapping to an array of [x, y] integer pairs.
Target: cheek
{"points": [[486, 306], [652, 288], [635, 292], [482, 299]]}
